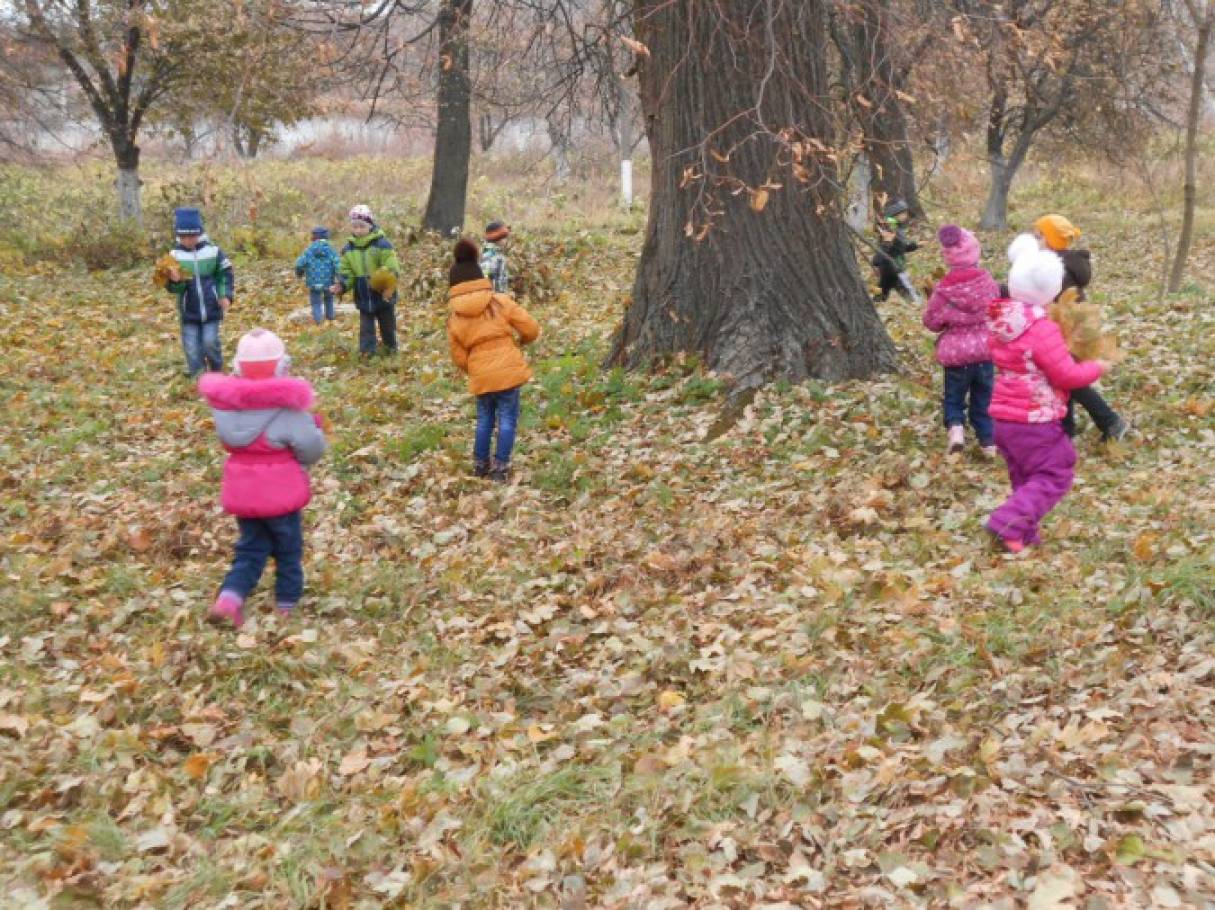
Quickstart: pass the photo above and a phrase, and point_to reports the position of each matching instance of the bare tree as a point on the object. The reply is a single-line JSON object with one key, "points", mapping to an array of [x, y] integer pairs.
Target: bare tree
{"points": [[113, 50], [1051, 66], [874, 70], [1201, 19], [453, 139]]}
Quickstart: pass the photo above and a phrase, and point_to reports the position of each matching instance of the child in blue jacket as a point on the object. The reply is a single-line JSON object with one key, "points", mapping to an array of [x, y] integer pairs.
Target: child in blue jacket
{"points": [[318, 266]]}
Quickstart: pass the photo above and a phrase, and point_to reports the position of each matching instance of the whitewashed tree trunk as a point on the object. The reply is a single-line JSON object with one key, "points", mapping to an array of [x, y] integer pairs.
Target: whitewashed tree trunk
{"points": [[626, 141], [130, 207], [626, 182], [859, 194]]}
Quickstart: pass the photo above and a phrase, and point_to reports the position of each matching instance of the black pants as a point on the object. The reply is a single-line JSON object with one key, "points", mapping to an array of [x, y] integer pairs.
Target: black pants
{"points": [[1103, 416], [891, 279], [386, 318]]}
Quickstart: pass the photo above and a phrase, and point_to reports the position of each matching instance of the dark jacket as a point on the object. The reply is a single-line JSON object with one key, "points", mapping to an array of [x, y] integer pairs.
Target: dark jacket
{"points": [[894, 252], [207, 278], [1077, 270]]}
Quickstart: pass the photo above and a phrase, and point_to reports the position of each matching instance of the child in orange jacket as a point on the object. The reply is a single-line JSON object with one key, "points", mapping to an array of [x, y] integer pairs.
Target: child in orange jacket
{"points": [[481, 331]]}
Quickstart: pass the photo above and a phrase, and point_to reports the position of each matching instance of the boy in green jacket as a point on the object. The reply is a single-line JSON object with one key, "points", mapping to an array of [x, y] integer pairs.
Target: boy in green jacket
{"points": [[369, 265]]}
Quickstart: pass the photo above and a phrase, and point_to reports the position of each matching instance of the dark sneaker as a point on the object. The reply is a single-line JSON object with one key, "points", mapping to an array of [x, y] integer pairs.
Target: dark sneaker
{"points": [[500, 472], [1117, 432], [480, 468]]}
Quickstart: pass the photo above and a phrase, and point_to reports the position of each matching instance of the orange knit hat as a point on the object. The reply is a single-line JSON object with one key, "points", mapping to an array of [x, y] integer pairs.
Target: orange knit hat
{"points": [[1057, 231]]}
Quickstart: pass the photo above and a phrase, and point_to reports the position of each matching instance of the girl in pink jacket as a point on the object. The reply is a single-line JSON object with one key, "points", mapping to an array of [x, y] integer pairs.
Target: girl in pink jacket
{"points": [[957, 310], [262, 418], [1036, 373]]}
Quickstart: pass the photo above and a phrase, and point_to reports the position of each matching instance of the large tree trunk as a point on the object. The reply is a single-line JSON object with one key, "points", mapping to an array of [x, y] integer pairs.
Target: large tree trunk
{"points": [[130, 205], [883, 123], [761, 283], [453, 139], [1204, 26]]}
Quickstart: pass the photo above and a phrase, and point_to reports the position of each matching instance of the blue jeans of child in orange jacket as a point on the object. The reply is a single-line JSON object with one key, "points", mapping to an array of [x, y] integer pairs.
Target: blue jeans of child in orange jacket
{"points": [[501, 408]]}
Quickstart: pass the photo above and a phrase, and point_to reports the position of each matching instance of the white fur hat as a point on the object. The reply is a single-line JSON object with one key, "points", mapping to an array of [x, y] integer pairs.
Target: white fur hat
{"points": [[1024, 243], [1035, 277]]}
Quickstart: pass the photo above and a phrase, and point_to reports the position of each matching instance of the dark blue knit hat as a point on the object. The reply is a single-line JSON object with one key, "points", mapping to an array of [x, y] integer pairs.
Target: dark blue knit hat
{"points": [[320, 233], [187, 221]]}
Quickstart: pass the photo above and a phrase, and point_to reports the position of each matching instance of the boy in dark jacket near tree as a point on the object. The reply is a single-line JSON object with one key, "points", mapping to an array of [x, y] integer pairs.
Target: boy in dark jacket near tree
{"points": [[202, 279], [891, 262]]}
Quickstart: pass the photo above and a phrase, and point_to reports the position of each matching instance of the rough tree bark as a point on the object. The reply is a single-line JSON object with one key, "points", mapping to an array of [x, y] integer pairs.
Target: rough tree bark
{"points": [[445, 206], [761, 283], [1203, 15], [883, 122]]}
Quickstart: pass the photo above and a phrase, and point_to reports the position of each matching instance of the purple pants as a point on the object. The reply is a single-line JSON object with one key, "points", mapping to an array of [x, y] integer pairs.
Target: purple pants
{"points": [[1041, 465]]}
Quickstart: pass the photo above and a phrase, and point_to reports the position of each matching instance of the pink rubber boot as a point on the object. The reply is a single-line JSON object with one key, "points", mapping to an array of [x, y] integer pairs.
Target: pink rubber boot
{"points": [[228, 607]]}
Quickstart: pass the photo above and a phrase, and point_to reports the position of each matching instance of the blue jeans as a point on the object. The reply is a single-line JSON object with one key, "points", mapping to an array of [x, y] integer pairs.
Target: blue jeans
{"points": [[261, 538], [975, 381], [200, 341], [318, 298], [501, 408]]}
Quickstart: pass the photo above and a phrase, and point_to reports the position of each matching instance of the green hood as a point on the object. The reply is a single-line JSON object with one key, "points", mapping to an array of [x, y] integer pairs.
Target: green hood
{"points": [[366, 240]]}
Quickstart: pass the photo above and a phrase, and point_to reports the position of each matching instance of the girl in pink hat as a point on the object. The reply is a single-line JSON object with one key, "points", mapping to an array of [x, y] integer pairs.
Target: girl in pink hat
{"points": [[263, 420], [957, 312]]}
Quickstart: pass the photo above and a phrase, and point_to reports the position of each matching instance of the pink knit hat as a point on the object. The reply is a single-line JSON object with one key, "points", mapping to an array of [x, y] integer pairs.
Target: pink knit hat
{"points": [[259, 354], [959, 247]]}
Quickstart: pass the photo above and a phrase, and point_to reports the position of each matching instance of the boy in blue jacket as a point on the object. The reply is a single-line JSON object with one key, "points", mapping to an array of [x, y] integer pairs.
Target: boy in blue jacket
{"points": [[202, 279], [318, 266]]}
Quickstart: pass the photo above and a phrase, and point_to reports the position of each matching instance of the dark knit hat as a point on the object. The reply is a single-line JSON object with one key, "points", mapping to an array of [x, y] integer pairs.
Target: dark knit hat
{"points": [[896, 207], [320, 233], [467, 265], [187, 221], [496, 230]]}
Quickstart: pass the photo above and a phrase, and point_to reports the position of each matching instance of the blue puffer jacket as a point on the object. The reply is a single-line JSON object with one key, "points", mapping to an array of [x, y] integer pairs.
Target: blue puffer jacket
{"points": [[318, 265]]}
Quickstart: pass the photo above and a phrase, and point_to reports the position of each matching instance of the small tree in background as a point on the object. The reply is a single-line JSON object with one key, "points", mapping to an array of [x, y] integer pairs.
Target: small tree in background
{"points": [[1201, 21]]}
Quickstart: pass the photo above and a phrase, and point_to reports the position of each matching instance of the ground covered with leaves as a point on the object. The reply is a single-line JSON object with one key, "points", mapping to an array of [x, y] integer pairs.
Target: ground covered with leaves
{"points": [[777, 668]]}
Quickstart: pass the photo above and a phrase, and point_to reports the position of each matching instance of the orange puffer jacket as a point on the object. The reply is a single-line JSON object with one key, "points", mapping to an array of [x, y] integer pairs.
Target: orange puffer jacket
{"points": [[481, 331]]}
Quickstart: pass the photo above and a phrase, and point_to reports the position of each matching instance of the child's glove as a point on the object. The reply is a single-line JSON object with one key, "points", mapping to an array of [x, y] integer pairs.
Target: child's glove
{"points": [[321, 422]]}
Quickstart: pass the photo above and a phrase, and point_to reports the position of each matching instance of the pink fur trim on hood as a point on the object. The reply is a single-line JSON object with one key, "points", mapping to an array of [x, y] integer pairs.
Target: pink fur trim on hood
{"points": [[234, 393]]}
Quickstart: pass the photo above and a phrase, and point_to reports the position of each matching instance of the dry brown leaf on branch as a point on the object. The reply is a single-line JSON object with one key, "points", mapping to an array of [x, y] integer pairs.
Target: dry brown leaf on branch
{"points": [[635, 46]]}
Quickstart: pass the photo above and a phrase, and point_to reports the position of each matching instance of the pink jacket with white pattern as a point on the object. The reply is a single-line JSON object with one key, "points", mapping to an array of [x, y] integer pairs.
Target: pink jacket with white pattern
{"points": [[957, 310], [1035, 370]]}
